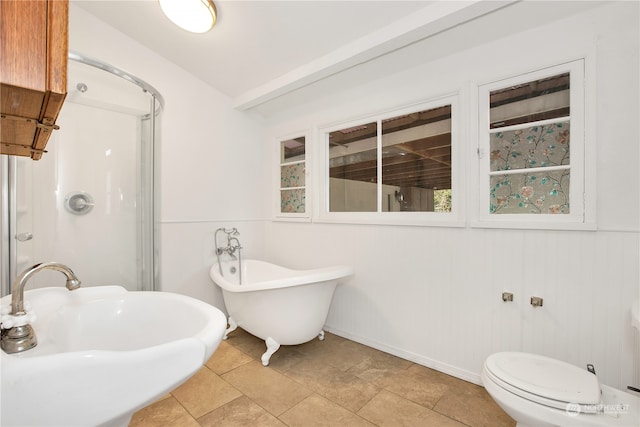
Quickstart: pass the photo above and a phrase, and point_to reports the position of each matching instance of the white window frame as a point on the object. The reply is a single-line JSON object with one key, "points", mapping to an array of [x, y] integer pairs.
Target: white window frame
{"points": [[455, 218], [581, 198], [305, 216]]}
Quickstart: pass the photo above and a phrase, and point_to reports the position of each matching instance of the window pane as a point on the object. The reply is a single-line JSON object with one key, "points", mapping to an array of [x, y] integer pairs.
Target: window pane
{"points": [[292, 150], [442, 200], [533, 147], [292, 175], [536, 193], [416, 159], [292, 201], [541, 99], [353, 169], [540, 145]]}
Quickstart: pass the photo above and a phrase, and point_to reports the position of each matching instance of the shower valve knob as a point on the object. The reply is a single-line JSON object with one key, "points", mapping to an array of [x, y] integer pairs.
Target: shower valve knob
{"points": [[78, 203]]}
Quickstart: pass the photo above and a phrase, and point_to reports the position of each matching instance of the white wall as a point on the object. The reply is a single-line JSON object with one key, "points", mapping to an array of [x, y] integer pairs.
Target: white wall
{"points": [[428, 294], [211, 158], [433, 295]]}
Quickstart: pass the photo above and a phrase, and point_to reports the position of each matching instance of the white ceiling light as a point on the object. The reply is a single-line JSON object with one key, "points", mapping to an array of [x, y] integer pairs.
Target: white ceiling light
{"points": [[196, 16]]}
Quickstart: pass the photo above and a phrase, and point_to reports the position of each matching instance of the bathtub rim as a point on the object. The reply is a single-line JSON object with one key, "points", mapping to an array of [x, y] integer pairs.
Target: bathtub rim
{"points": [[297, 277]]}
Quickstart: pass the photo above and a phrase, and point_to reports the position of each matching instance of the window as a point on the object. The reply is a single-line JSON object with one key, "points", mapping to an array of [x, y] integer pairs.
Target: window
{"points": [[532, 147], [396, 166], [353, 169], [293, 176]]}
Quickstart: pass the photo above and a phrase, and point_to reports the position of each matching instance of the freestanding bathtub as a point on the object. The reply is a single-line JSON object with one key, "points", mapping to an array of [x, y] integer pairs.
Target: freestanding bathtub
{"points": [[277, 304]]}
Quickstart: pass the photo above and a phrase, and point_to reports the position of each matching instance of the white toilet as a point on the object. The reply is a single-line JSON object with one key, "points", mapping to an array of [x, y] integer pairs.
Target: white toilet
{"points": [[539, 391]]}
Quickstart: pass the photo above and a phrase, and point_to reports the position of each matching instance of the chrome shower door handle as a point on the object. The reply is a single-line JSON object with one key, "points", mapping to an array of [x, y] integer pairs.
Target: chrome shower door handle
{"points": [[23, 237]]}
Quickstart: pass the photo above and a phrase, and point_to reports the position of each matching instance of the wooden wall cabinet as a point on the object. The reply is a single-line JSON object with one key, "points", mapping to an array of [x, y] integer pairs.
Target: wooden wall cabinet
{"points": [[34, 47]]}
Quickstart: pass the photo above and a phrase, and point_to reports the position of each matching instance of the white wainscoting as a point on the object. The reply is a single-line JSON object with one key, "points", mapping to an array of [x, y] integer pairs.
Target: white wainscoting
{"points": [[433, 295]]}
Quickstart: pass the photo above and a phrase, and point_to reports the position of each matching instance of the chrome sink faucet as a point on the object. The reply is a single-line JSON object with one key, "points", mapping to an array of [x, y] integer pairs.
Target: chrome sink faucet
{"points": [[17, 333]]}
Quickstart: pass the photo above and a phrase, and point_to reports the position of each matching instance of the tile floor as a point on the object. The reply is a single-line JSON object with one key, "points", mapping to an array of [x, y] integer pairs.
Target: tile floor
{"points": [[335, 382]]}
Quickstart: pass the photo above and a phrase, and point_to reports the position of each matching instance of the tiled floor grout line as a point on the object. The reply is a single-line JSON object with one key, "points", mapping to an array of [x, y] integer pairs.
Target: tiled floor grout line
{"points": [[446, 415], [243, 394], [230, 385], [184, 407]]}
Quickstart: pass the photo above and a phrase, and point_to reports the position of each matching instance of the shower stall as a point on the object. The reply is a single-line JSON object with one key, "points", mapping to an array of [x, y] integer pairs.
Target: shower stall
{"points": [[90, 202]]}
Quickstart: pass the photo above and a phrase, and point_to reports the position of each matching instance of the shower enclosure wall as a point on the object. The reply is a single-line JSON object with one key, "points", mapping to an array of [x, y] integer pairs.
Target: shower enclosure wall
{"points": [[89, 202]]}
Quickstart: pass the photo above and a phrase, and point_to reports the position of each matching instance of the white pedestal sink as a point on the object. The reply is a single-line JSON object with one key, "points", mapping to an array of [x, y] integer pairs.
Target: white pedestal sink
{"points": [[103, 353]]}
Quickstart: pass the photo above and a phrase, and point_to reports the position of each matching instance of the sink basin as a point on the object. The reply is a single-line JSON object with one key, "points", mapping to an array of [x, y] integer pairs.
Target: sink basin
{"points": [[103, 353]]}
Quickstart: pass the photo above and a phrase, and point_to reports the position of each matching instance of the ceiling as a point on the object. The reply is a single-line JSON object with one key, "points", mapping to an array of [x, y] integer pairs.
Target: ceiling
{"points": [[261, 50], [253, 42]]}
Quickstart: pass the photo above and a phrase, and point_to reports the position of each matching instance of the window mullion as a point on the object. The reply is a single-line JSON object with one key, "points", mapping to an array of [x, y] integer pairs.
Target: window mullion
{"points": [[379, 163], [530, 124], [529, 170]]}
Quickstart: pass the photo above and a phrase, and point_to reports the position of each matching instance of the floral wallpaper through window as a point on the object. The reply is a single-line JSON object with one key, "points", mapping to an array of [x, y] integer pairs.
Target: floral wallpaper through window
{"points": [[536, 191], [292, 175], [292, 201]]}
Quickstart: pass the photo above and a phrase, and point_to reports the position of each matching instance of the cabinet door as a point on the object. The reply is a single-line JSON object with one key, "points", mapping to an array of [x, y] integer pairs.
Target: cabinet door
{"points": [[23, 48], [23, 44], [33, 72]]}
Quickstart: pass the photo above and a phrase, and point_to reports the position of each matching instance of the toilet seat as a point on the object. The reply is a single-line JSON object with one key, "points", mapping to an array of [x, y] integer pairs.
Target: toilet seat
{"points": [[543, 380]]}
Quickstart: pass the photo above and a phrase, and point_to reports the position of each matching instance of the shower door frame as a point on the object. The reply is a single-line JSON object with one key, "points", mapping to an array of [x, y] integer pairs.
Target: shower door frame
{"points": [[149, 234]]}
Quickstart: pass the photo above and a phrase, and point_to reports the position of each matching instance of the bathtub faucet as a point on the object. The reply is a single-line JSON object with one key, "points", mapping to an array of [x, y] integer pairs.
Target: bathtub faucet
{"points": [[233, 244], [231, 247]]}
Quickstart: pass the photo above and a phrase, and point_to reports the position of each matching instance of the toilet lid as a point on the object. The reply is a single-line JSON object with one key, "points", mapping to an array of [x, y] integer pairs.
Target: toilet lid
{"points": [[544, 380]]}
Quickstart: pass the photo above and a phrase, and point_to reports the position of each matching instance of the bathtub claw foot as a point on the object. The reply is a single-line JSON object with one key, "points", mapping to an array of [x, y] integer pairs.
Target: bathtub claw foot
{"points": [[321, 336], [232, 327], [272, 347]]}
